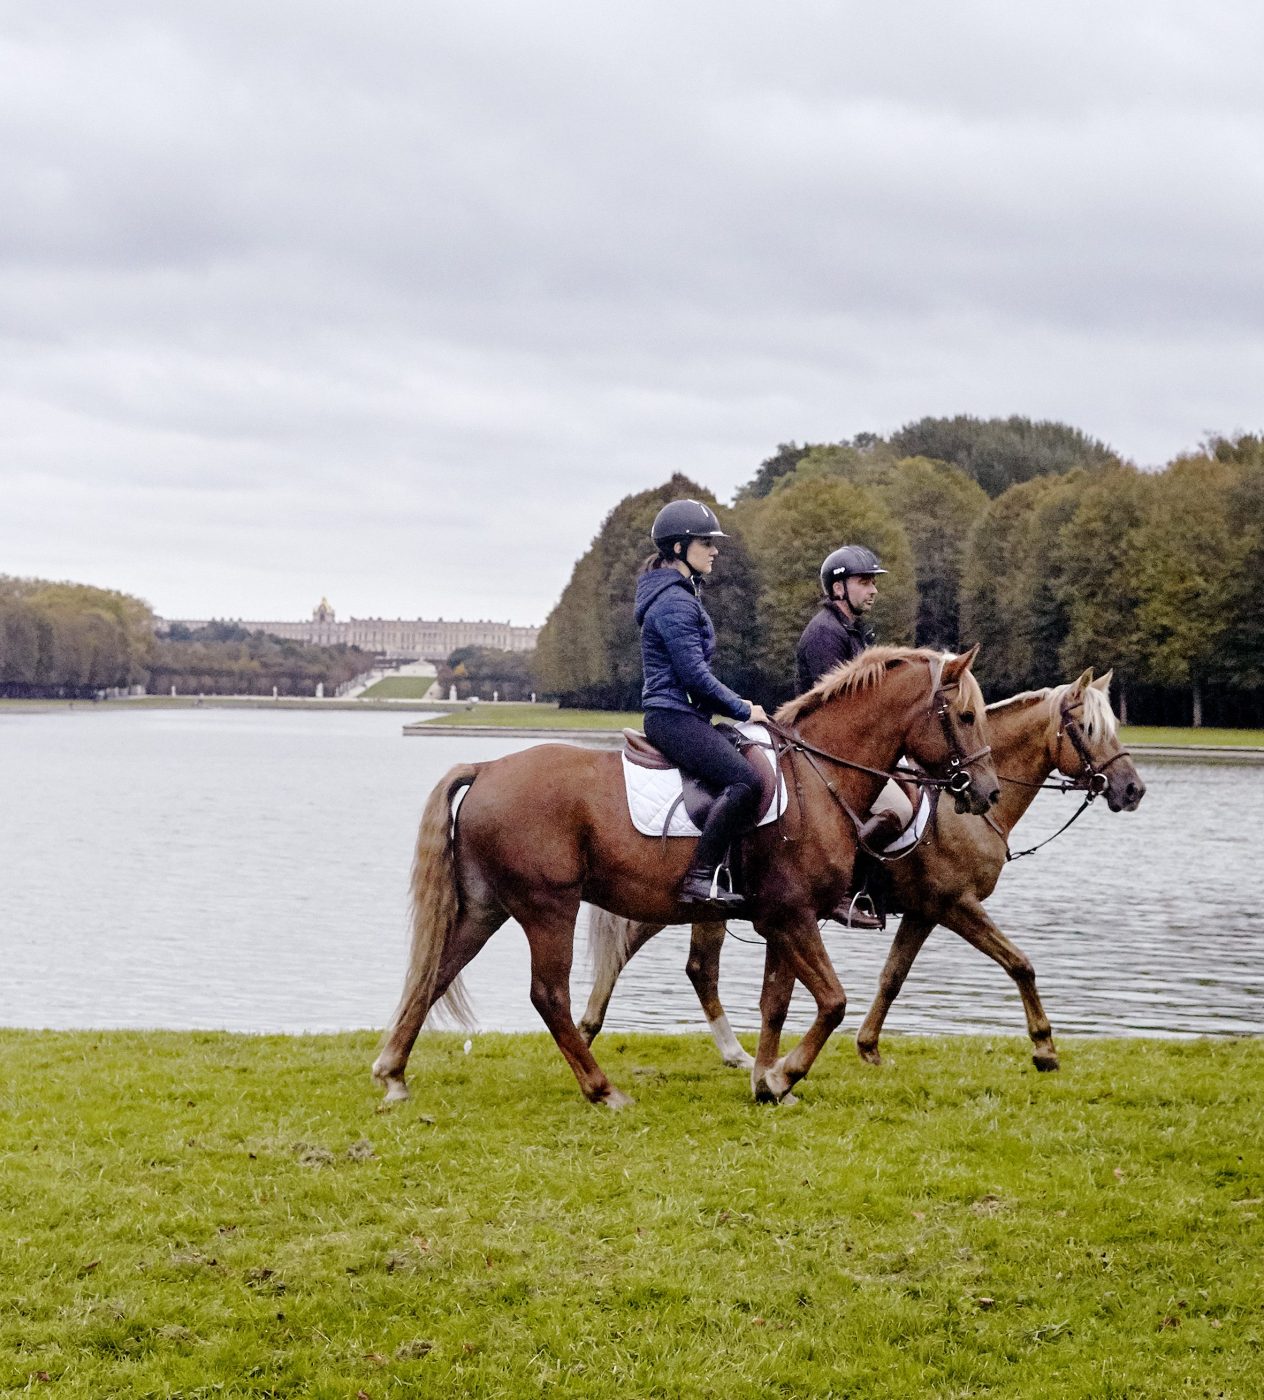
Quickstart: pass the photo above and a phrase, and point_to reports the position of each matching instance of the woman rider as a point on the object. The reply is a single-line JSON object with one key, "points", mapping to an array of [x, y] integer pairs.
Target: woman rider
{"points": [[681, 693]]}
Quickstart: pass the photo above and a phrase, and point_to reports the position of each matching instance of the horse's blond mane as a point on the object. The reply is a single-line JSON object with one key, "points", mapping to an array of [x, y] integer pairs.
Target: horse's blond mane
{"points": [[863, 672], [1099, 718], [1026, 697]]}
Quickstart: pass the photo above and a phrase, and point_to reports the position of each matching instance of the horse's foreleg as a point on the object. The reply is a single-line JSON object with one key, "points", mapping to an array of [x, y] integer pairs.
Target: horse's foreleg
{"points": [[973, 923], [703, 969], [905, 946], [810, 964], [551, 934], [613, 942], [768, 1080]]}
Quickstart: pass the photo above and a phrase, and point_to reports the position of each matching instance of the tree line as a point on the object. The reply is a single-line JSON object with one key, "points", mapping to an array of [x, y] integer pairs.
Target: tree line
{"points": [[224, 659], [488, 672], [1031, 538], [74, 641]]}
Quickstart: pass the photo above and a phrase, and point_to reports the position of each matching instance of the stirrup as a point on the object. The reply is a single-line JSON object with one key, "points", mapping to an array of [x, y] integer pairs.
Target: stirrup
{"points": [[715, 897], [860, 912]]}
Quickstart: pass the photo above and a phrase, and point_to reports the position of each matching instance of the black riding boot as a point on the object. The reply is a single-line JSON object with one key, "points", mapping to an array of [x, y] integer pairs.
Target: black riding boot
{"points": [[699, 889]]}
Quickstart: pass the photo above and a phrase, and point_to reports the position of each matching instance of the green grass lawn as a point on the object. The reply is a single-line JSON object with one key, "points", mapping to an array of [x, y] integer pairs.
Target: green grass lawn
{"points": [[219, 1215], [540, 717], [1154, 734], [399, 688]]}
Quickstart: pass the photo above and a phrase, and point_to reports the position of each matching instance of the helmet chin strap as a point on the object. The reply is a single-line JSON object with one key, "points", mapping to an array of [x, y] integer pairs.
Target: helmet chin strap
{"points": [[679, 553], [846, 601]]}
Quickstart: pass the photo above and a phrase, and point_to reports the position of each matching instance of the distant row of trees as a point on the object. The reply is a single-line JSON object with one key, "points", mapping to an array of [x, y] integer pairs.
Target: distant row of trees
{"points": [[1031, 538], [72, 640], [223, 659], [488, 672]]}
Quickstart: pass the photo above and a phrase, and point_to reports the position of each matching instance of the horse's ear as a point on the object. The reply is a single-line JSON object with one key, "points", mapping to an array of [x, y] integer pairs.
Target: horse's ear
{"points": [[1084, 681], [956, 667], [1102, 683]]}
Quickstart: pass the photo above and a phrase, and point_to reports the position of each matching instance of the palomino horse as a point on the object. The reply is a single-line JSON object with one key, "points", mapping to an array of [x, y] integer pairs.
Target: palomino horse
{"points": [[1070, 729], [541, 830]]}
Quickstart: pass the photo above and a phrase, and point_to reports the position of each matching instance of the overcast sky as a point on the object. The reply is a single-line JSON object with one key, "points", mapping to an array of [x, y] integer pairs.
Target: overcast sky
{"points": [[394, 301]]}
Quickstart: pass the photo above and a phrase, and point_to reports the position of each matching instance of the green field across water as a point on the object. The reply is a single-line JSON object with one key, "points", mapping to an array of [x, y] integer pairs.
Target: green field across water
{"points": [[210, 1214], [400, 688], [511, 716]]}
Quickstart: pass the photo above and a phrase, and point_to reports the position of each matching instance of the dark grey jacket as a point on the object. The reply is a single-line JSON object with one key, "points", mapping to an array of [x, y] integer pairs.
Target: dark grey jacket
{"points": [[827, 640], [677, 644]]}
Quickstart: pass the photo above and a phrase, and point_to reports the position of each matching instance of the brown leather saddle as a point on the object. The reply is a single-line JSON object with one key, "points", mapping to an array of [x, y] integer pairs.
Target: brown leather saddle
{"points": [[696, 795]]}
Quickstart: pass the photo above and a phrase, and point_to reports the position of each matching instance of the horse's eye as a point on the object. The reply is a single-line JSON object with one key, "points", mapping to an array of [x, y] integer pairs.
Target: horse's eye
{"points": [[967, 717]]}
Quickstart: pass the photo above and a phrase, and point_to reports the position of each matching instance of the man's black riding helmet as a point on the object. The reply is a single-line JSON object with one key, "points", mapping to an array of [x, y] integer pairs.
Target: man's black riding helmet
{"points": [[683, 520], [848, 562]]}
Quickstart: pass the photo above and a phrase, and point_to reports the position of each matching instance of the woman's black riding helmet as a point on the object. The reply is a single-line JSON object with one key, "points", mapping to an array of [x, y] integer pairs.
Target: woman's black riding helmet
{"points": [[850, 561], [684, 521]]}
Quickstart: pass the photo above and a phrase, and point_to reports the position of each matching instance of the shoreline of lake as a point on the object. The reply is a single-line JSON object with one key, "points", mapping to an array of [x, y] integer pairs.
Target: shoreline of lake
{"points": [[613, 739], [589, 736]]}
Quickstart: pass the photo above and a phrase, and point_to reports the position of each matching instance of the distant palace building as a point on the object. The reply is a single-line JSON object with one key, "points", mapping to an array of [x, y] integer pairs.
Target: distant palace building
{"points": [[419, 639]]}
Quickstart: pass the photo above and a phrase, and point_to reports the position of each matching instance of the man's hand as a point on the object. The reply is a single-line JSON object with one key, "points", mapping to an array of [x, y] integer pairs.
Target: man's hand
{"points": [[757, 715]]}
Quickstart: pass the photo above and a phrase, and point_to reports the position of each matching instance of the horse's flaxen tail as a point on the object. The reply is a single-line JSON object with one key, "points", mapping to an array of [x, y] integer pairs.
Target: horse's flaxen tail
{"points": [[436, 900], [607, 945]]}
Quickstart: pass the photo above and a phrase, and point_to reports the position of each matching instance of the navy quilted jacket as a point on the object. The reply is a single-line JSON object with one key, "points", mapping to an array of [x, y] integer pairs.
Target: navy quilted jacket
{"points": [[677, 644]]}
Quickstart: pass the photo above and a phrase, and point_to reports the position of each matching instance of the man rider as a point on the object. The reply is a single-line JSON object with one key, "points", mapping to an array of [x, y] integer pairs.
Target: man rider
{"points": [[837, 633]]}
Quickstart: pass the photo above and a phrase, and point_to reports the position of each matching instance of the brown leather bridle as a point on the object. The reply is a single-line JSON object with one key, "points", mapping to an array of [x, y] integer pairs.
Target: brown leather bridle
{"points": [[959, 761], [1092, 782]]}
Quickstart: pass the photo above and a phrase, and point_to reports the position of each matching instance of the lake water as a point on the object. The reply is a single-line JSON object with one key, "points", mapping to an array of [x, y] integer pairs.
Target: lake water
{"points": [[248, 870]]}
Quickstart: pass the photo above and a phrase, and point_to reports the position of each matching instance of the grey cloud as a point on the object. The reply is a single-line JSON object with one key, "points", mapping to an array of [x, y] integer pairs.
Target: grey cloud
{"points": [[396, 302]]}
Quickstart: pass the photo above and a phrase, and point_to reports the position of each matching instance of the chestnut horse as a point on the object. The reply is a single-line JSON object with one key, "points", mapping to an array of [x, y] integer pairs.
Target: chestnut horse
{"points": [[1070, 729], [541, 830]]}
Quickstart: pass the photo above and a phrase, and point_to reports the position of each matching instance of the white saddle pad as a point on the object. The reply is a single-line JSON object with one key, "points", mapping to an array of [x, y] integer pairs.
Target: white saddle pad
{"points": [[651, 791], [916, 829]]}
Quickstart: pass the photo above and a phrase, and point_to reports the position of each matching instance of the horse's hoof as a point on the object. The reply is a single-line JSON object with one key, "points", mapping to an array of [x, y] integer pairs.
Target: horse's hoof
{"points": [[1045, 1063], [615, 1099], [869, 1054], [772, 1086], [742, 1061], [396, 1091]]}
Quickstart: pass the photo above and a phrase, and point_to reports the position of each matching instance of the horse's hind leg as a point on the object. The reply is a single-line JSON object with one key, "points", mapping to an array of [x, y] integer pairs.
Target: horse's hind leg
{"points": [[972, 922], [703, 969], [550, 931], [613, 942], [476, 924], [905, 946]]}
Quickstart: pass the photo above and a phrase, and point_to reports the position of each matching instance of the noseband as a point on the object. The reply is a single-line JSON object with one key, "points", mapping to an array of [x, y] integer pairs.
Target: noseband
{"points": [[958, 760], [1093, 779]]}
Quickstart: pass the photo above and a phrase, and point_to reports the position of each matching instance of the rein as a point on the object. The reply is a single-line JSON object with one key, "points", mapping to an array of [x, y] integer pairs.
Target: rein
{"points": [[956, 783], [1092, 782]]}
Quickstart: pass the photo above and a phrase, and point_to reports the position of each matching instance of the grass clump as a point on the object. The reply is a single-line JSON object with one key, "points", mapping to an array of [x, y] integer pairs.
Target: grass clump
{"points": [[226, 1215]]}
